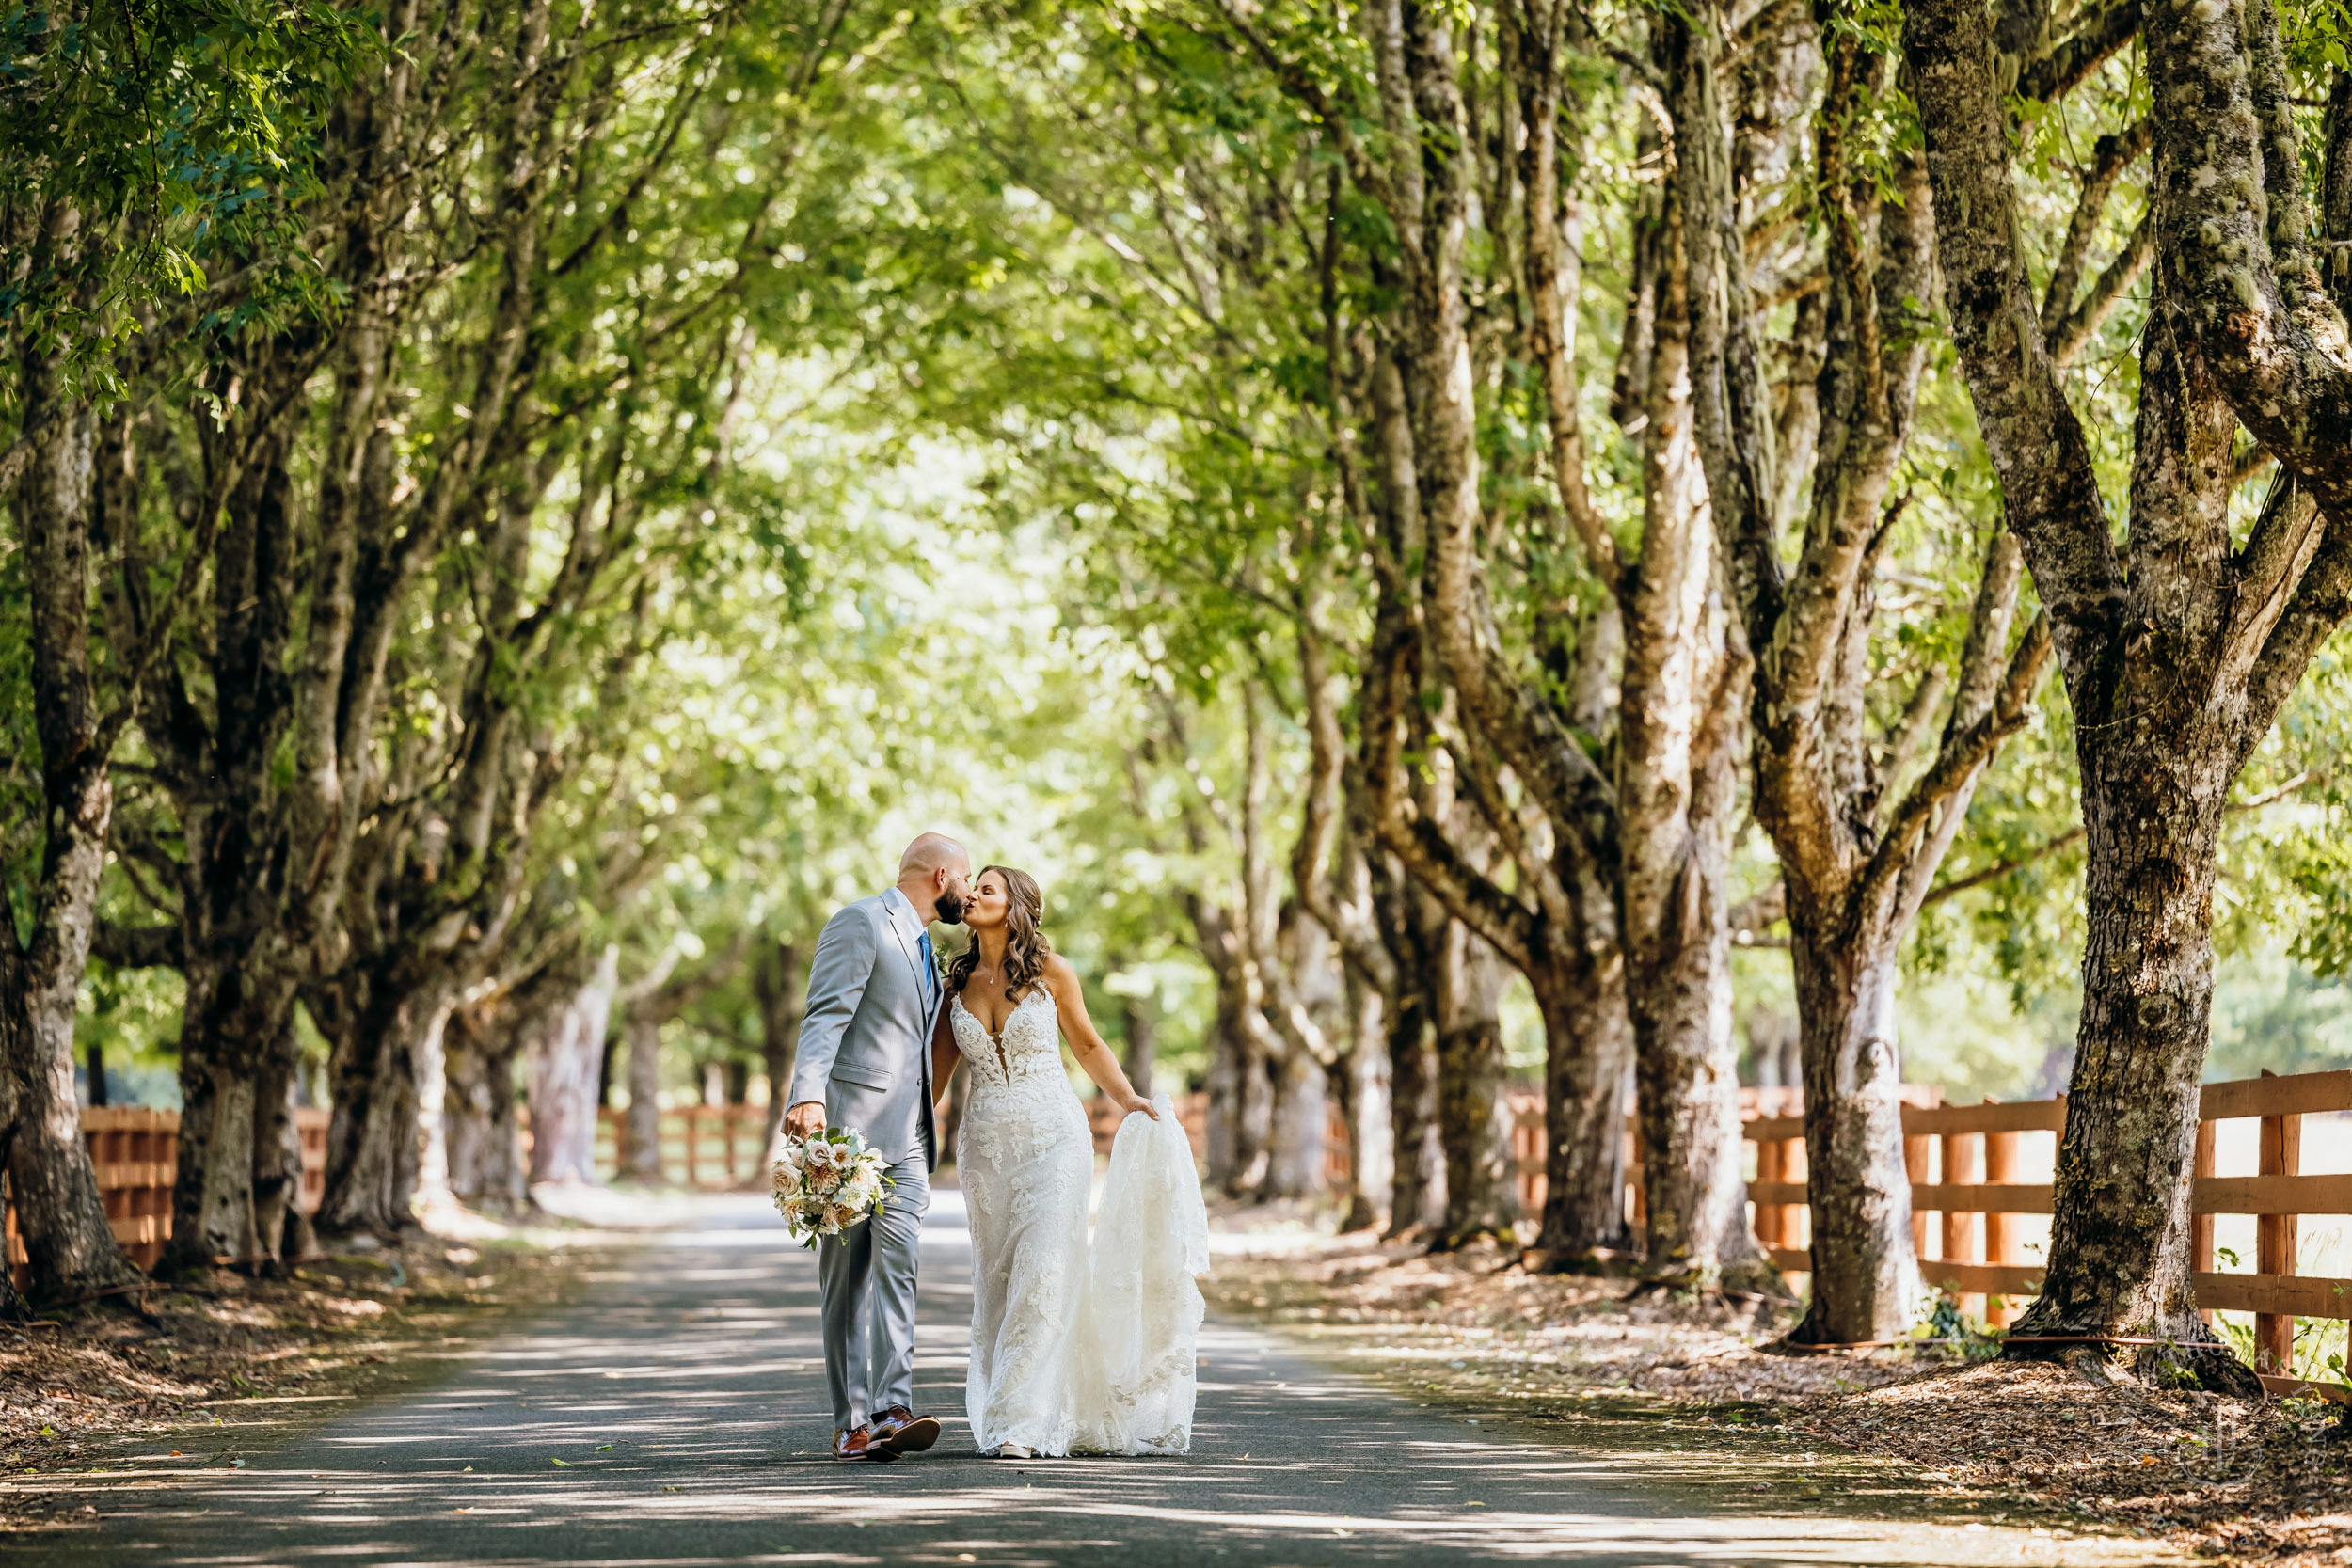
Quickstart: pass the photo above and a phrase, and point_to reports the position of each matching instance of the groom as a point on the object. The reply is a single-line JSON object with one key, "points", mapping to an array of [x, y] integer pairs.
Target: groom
{"points": [[864, 1063]]}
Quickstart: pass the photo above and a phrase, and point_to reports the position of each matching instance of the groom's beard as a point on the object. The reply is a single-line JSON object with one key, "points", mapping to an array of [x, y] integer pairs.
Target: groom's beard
{"points": [[951, 908]]}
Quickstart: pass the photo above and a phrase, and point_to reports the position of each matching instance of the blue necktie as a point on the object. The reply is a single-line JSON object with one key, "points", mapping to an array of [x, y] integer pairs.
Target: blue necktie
{"points": [[930, 969]]}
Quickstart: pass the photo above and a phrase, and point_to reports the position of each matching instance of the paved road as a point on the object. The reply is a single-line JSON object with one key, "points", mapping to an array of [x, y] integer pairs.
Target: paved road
{"points": [[683, 1392]]}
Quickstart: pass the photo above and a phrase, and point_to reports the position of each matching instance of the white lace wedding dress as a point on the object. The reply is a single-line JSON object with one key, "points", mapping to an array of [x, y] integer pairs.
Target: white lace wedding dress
{"points": [[1074, 1349]]}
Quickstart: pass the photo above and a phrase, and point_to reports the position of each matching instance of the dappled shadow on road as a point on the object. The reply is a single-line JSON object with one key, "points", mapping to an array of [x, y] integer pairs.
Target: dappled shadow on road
{"points": [[675, 1416]]}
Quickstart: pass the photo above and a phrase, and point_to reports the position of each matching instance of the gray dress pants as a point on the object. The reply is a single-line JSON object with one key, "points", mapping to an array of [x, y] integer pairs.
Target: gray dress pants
{"points": [[866, 1275]]}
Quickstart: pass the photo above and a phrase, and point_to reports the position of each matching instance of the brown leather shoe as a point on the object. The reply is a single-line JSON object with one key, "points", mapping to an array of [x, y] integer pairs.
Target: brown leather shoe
{"points": [[858, 1443], [901, 1431]]}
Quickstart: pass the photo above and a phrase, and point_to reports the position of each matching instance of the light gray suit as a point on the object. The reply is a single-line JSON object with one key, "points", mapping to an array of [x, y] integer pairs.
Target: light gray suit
{"points": [[865, 1051]]}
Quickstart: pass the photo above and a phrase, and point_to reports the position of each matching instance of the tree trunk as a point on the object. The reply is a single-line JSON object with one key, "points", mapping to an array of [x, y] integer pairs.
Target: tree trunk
{"points": [[1474, 1077], [467, 1107], [372, 1154], [2119, 1262], [67, 1235], [1372, 1148], [649, 1005], [642, 1159], [243, 968], [1253, 1119], [1417, 1195], [1241, 1101], [776, 986], [1866, 1273], [279, 1225], [1299, 1120], [566, 1068], [68, 1238], [1775, 1048], [237, 1015], [430, 1064], [226, 1229], [479, 1045], [1680, 732], [1309, 1021], [1223, 1086], [1142, 1041], [1687, 1063], [1588, 1094]]}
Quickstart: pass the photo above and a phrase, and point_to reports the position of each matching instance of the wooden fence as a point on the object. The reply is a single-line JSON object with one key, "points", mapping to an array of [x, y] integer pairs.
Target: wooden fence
{"points": [[1970, 1196], [713, 1148], [137, 1154], [1966, 1165]]}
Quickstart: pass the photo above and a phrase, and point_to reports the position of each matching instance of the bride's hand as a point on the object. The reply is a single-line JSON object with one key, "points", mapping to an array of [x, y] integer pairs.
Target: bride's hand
{"points": [[1137, 1103]]}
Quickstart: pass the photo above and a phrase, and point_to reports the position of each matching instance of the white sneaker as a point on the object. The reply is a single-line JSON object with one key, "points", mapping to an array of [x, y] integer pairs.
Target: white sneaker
{"points": [[1013, 1450]]}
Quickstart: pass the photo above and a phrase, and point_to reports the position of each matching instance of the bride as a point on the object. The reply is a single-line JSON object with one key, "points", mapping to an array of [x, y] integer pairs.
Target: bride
{"points": [[1074, 1348]]}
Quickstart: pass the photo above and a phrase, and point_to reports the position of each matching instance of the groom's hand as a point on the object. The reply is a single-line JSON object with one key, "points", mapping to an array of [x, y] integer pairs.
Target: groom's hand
{"points": [[806, 1119]]}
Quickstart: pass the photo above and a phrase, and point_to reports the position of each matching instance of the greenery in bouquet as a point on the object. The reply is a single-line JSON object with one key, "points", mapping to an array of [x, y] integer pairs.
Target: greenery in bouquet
{"points": [[828, 1183]]}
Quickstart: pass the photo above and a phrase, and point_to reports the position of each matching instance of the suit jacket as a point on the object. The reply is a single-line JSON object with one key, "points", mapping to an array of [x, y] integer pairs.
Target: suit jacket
{"points": [[865, 1040]]}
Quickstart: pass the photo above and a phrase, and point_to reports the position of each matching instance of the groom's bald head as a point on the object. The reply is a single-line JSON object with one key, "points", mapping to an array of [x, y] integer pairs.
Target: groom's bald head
{"points": [[932, 874], [933, 852]]}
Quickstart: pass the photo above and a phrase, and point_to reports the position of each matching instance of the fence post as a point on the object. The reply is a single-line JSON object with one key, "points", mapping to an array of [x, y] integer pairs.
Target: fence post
{"points": [[2201, 1225], [1964, 1235], [1918, 1159], [2274, 1241], [1639, 1220], [1796, 1221], [2002, 1243], [1770, 1216], [694, 1125]]}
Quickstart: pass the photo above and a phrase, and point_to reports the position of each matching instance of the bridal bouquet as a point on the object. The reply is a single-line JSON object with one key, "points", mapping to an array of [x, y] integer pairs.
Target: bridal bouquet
{"points": [[828, 1183]]}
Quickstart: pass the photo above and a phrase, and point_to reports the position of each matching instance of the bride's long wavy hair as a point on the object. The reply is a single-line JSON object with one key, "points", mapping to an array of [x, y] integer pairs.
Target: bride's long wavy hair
{"points": [[1024, 941]]}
